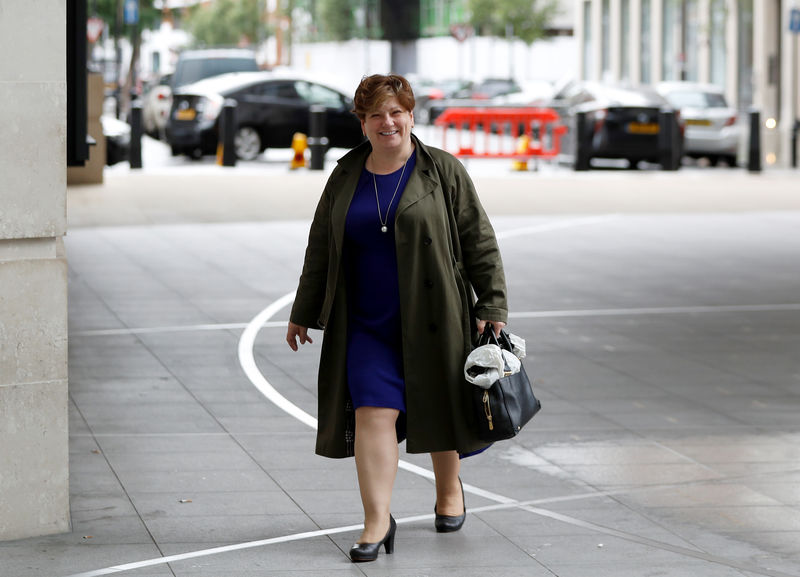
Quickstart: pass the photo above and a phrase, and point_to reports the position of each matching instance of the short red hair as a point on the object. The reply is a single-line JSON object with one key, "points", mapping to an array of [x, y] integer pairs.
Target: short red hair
{"points": [[374, 90]]}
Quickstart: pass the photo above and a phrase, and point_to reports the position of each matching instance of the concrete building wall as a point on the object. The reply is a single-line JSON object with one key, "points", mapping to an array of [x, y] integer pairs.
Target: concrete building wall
{"points": [[34, 472]]}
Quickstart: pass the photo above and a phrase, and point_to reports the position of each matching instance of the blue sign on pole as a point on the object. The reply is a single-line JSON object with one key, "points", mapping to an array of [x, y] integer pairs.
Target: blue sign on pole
{"points": [[131, 9], [794, 20]]}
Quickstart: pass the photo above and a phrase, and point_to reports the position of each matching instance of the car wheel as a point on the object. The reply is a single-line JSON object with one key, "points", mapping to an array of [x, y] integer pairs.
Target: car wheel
{"points": [[731, 161], [247, 143], [713, 160]]}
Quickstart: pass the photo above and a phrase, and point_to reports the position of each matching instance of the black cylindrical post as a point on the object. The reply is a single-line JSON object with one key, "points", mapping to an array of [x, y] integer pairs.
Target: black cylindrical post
{"points": [[135, 150], [582, 142], [795, 131], [754, 152], [228, 129], [317, 141], [668, 143]]}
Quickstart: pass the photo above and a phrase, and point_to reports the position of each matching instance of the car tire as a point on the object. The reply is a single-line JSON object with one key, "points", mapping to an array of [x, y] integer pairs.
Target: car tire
{"points": [[731, 161], [247, 143]]}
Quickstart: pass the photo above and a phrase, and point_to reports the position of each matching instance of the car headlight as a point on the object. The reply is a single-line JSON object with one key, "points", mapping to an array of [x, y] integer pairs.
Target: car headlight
{"points": [[209, 107]]}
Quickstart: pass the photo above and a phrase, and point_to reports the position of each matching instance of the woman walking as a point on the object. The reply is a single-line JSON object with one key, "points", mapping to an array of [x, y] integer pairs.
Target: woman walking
{"points": [[380, 277]]}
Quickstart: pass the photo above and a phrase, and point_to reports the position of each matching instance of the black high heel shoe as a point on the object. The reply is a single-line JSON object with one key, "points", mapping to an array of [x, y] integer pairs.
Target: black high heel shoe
{"points": [[451, 523], [369, 551]]}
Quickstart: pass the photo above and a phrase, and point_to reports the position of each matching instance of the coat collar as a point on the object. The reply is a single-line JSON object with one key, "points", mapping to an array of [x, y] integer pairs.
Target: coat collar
{"points": [[421, 183]]}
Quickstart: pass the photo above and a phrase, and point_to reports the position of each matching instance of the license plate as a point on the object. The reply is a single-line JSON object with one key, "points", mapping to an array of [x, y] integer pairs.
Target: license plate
{"points": [[185, 114], [643, 128], [697, 122]]}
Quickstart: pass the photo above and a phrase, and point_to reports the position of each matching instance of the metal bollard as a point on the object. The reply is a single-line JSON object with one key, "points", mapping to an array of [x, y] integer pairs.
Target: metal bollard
{"points": [[135, 150], [582, 142], [317, 141], [669, 152], [754, 152], [228, 129], [795, 131]]}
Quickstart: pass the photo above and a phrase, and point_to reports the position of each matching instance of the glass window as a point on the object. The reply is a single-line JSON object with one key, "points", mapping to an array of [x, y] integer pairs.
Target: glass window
{"points": [[317, 94], [587, 40], [670, 26], [606, 38], [644, 72], [717, 42], [283, 89], [745, 51], [690, 41], [624, 46]]}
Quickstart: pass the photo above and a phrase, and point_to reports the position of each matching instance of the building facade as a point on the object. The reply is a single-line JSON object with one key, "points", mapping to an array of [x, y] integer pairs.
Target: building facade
{"points": [[34, 472], [747, 47]]}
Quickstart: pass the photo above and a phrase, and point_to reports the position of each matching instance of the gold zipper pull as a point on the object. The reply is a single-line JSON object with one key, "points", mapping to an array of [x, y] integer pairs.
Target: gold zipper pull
{"points": [[487, 409]]}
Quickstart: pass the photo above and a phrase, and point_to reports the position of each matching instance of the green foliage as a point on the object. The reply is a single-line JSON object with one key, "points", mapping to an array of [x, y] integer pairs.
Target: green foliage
{"points": [[336, 19], [528, 18], [149, 17], [227, 23]]}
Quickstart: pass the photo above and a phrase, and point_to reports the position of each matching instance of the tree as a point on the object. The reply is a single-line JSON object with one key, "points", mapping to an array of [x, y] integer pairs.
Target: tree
{"points": [[337, 20], [227, 23], [528, 18]]}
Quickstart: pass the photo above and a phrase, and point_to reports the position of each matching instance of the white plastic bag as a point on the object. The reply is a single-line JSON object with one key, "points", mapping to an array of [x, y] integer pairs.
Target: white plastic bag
{"points": [[518, 345], [488, 363]]}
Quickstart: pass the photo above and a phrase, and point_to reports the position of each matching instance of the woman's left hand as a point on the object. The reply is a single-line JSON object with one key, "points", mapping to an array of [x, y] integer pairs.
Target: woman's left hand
{"points": [[498, 326]]}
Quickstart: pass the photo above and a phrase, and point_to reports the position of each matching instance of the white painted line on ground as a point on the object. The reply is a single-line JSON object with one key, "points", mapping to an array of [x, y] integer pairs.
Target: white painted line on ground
{"points": [[555, 225], [657, 311], [677, 310]]}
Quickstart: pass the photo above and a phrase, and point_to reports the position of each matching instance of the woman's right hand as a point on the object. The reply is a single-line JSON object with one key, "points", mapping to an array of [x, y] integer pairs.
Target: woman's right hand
{"points": [[295, 331]]}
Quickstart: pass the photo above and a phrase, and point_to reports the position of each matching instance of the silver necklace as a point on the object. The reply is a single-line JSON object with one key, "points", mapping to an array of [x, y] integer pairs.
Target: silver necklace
{"points": [[384, 219]]}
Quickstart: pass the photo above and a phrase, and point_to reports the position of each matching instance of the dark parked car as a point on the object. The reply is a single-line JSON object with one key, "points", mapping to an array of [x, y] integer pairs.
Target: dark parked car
{"points": [[623, 121], [271, 108]]}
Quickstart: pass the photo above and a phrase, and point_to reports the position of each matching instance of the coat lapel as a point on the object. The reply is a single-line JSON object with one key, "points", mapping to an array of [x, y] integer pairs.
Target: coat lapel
{"points": [[421, 183], [344, 189]]}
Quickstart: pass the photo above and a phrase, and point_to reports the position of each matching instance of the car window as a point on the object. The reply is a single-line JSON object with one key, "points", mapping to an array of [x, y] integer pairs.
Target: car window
{"points": [[686, 99], [192, 70], [275, 90], [317, 94]]}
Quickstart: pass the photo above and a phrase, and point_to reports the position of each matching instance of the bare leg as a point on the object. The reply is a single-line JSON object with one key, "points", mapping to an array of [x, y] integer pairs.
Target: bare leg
{"points": [[446, 467], [376, 464]]}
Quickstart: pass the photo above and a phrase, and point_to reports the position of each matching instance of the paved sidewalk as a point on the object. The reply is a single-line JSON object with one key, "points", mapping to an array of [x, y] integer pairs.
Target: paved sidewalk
{"points": [[662, 327]]}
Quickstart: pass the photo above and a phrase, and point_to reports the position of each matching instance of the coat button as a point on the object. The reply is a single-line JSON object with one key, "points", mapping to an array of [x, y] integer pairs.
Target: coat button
{"points": [[427, 241], [428, 283], [432, 327]]}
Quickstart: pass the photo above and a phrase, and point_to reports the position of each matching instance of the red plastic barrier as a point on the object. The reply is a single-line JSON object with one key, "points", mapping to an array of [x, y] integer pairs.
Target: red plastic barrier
{"points": [[501, 130]]}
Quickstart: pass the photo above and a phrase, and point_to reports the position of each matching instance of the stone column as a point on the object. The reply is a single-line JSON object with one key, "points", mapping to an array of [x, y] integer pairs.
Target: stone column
{"points": [[34, 472]]}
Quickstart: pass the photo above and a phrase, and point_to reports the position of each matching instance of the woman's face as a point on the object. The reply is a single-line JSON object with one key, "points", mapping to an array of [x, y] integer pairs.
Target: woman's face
{"points": [[389, 126]]}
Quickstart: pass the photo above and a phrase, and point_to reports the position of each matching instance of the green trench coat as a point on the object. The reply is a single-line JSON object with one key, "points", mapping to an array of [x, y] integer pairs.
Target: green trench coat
{"points": [[436, 307]]}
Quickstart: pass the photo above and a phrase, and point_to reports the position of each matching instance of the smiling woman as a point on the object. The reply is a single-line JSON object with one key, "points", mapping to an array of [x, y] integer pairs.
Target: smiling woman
{"points": [[396, 212]]}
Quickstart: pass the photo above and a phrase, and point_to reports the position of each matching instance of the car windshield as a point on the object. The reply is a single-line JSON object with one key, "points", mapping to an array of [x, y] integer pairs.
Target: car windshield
{"points": [[686, 99], [193, 70]]}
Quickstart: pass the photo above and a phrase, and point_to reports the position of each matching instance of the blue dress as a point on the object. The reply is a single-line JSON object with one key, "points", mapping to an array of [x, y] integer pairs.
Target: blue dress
{"points": [[374, 344]]}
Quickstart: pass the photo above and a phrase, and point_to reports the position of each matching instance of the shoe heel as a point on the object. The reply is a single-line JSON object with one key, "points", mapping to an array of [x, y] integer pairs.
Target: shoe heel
{"points": [[389, 544], [389, 539]]}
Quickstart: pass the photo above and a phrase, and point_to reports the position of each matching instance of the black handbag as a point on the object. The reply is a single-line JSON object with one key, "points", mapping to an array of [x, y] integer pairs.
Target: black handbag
{"points": [[504, 408]]}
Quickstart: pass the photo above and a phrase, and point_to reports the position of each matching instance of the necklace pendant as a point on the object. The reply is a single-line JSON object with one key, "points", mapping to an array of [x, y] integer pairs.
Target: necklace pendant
{"points": [[384, 229]]}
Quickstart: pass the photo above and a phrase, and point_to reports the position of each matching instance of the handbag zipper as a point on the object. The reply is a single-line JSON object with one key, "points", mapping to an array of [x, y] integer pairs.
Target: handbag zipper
{"points": [[487, 409]]}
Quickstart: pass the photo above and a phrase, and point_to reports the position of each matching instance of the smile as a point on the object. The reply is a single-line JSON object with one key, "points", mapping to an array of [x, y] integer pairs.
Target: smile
{"points": [[390, 133]]}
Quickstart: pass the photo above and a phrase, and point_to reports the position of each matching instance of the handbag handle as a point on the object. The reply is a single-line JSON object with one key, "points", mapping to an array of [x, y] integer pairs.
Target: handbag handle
{"points": [[488, 337]]}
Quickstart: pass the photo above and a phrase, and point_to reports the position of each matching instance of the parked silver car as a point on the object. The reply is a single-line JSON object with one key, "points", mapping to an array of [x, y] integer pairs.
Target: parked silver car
{"points": [[711, 125]]}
